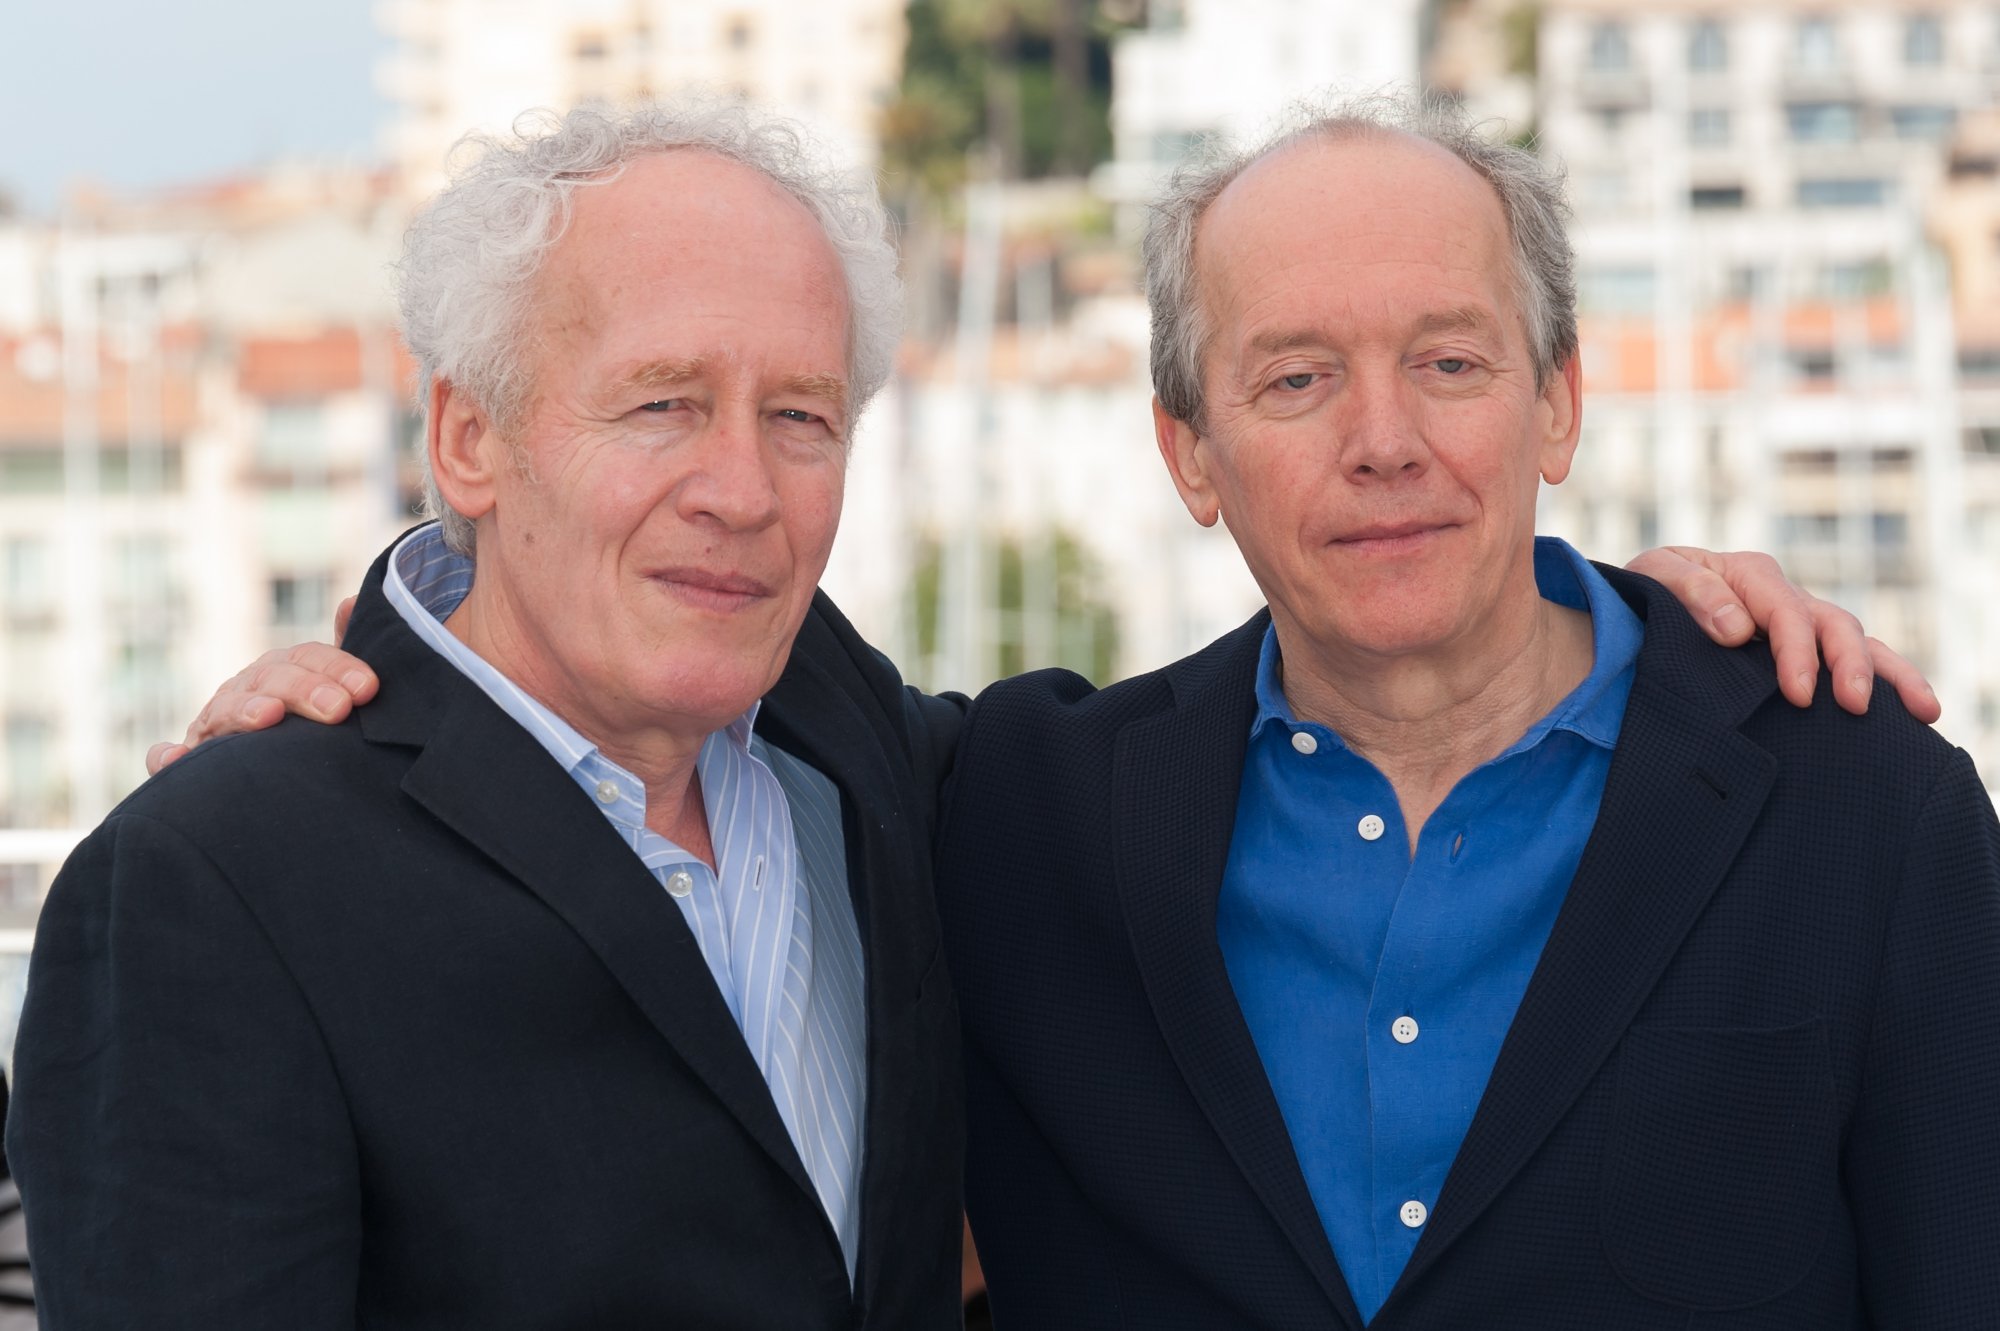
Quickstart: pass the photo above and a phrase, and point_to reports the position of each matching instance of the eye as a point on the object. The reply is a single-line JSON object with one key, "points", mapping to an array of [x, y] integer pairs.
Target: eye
{"points": [[1298, 382], [664, 404], [1452, 365], [798, 416]]}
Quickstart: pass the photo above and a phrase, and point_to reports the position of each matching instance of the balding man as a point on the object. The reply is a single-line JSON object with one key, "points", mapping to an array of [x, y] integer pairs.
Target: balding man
{"points": [[590, 977], [1467, 941]]}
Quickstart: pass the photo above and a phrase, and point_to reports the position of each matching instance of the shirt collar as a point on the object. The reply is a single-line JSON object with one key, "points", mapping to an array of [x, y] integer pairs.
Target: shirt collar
{"points": [[1594, 709], [426, 581]]}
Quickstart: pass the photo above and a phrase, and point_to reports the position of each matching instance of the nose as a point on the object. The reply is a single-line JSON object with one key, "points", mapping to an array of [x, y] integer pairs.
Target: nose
{"points": [[731, 482], [1382, 428]]}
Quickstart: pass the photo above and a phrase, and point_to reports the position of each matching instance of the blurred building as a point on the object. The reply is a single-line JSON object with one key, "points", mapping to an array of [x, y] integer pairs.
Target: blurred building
{"points": [[1198, 68], [1771, 346], [200, 407], [460, 65]]}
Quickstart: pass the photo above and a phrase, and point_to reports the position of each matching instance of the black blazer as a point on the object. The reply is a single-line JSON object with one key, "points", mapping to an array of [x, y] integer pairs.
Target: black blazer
{"points": [[1754, 1082], [382, 1024]]}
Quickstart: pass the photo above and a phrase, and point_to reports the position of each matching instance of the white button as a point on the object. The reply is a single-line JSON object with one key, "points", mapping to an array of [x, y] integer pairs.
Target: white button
{"points": [[1370, 827], [1304, 743], [1414, 1214], [1404, 1029], [679, 883], [607, 792]]}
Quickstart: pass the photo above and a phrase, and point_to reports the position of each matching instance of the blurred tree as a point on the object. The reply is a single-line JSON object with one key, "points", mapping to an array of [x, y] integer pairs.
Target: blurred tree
{"points": [[1081, 628], [1027, 82]]}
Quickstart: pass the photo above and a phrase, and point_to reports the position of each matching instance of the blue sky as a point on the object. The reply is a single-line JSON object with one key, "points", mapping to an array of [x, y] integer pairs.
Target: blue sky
{"points": [[135, 93]]}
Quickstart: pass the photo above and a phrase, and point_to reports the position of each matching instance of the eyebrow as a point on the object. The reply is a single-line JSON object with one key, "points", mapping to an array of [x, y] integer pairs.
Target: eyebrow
{"points": [[1464, 319], [667, 374]]}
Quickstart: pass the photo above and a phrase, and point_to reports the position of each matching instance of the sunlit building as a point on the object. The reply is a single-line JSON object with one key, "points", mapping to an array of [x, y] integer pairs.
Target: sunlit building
{"points": [[201, 406], [1770, 342], [459, 65]]}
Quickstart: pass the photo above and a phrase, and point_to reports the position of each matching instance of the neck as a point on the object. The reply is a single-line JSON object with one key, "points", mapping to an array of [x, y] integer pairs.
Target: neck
{"points": [[662, 757], [1426, 720]]}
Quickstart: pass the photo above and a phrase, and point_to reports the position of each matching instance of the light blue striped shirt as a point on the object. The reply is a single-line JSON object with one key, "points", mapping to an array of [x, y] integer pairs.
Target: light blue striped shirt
{"points": [[773, 919]]}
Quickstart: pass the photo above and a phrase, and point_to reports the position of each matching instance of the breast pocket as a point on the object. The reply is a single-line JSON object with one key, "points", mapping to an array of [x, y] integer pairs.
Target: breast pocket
{"points": [[1721, 1164]]}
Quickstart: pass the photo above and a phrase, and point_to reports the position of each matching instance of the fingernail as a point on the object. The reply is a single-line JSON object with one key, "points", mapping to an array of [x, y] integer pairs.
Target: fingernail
{"points": [[354, 681], [1862, 684], [326, 698], [1729, 618]]}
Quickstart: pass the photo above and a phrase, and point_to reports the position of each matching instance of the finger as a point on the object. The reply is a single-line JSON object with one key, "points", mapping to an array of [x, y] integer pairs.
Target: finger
{"points": [[327, 665], [1701, 589], [342, 613], [1845, 651], [1918, 697], [300, 689], [233, 713], [1790, 630], [166, 751]]}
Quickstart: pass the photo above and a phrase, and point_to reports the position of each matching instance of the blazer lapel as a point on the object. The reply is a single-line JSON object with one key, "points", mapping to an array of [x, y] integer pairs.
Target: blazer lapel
{"points": [[488, 780], [811, 716], [1683, 790], [1176, 777]]}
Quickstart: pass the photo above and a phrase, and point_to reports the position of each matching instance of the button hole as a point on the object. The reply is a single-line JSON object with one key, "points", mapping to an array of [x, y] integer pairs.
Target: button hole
{"points": [[1458, 845], [1713, 785], [757, 881]]}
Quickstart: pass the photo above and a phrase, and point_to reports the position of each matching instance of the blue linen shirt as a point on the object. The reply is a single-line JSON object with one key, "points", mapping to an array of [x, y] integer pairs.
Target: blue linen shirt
{"points": [[773, 919], [1378, 986]]}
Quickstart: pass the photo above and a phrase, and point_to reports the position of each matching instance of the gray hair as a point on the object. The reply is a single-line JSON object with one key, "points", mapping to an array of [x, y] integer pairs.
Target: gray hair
{"points": [[1530, 192], [467, 277]]}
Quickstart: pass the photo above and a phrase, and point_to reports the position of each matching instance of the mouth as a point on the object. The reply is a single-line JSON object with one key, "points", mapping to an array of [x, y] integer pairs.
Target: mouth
{"points": [[710, 589], [1390, 539]]}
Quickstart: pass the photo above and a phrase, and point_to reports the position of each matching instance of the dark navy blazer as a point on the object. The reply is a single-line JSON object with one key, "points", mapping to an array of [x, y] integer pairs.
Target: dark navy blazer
{"points": [[381, 1024], [1754, 1081]]}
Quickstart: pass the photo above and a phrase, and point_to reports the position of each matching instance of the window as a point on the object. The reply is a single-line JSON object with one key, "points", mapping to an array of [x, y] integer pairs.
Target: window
{"points": [[141, 570], [1981, 363], [1891, 529], [1929, 123], [34, 783], [1812, 364], [1983, 439], [1839, 193], [1708, 48], [1822, 122], [1923, 40], [1815, 45], [304, 601], [1852, 281], [1708, 126], [1623, 290], [1809, 528], [30, 584], [1610, 52], [738, 33], [1703, 197], [294, 437]]}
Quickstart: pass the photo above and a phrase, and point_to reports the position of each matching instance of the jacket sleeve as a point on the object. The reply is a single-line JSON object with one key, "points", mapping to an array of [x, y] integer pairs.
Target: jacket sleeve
{"points": [[177, 1129], [1922, 1159]]}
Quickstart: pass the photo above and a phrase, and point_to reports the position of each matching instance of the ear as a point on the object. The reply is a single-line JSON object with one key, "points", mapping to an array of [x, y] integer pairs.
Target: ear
{"points": [[1562, 401], [1186, 456], [466, 454]]}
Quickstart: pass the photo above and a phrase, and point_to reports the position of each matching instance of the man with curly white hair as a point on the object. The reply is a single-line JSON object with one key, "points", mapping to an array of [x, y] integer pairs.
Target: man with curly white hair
{"points": [[392, 1023]]}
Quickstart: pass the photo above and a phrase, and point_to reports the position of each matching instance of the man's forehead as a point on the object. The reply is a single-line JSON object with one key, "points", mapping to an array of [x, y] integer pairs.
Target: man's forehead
{"points": [[1356, 206]]}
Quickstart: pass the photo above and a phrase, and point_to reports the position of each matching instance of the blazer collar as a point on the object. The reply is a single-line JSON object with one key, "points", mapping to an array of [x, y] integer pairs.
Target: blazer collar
{"points": [[478, 772], [1175, 777], [1683, 790]]}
